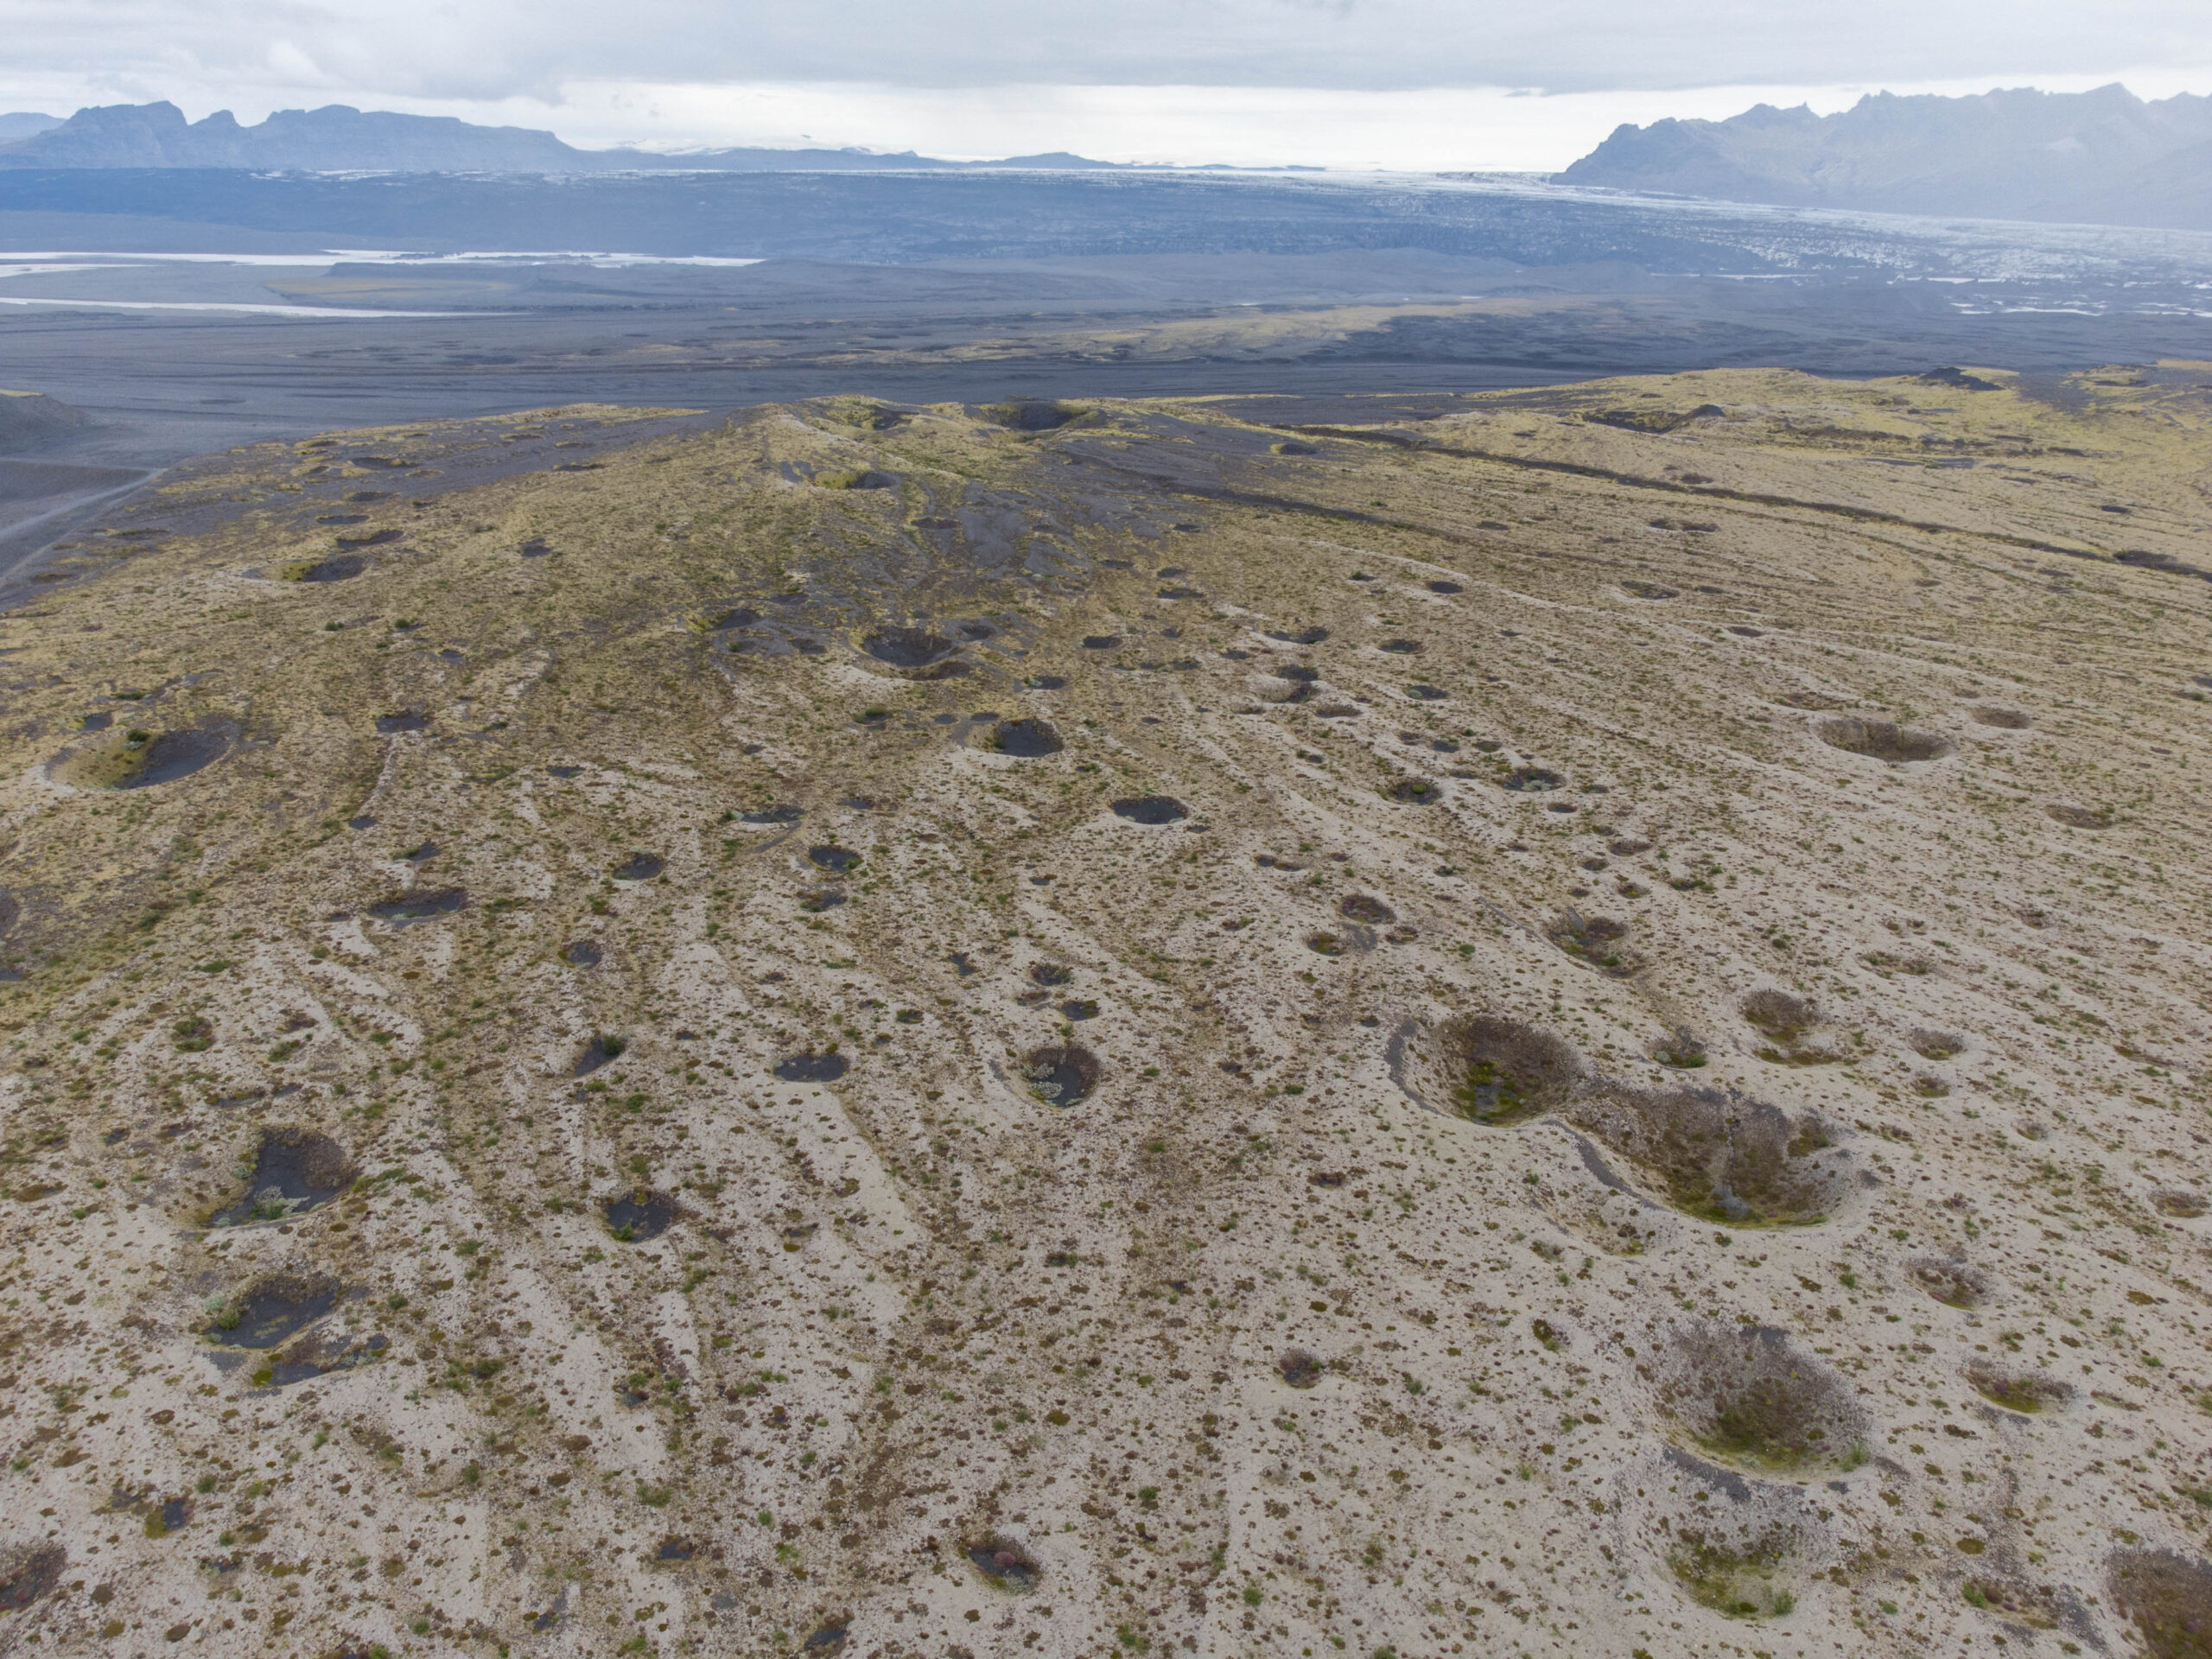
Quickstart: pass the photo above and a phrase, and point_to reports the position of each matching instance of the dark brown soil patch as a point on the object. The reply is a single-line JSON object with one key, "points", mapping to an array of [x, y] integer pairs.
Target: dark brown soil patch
{"points": [[639, 867], [272, 1312], [1415, 791], [817, 900], [583, 953], [1599, 941], [2026, 1392], [1651, 590], [2080, 817], [1882, 739], [1324, 944], [1503, 1070], [420, 906], [1735, 1577], [813, 1068], [601, 1051], [907, 647], [2008, 720], [1627, 849], [1530, 780], [294, 1171], [1102, 642], [1298, 1368], [1006, 1565], [2167, 1598], [1719, 1156], [342, 567], [772, 815], [1359, 907], [1074, 1011], [825, 1639], [1026, 739], [1303, 636], [1937, 1044], [144, 759], [407, 720], [1779, 1014], [1751, 1396], [1426, 693], [1680, 1050], [1061, 1075], [1051, 973], [29, 1572], [1028, 415], [1952, 1283], [839, 859], [1301, 673], [1151, 809], [1654, 420], [675, 1549], [638, 1216], [1445, 588], [1401, 647]]}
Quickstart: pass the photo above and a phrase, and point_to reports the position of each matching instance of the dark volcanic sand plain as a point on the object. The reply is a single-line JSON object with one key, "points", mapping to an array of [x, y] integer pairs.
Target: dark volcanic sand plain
{"points": [[927, 289], [1574, 1027]]}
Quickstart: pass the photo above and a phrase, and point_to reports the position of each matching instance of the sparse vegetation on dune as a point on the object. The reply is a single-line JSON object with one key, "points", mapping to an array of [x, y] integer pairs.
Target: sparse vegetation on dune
{"points": [[890, 1029]]}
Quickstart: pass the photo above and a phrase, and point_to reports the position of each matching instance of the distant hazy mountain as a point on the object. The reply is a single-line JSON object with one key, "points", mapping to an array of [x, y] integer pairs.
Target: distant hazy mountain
{"points": [[2100, 157], [338, 139]]}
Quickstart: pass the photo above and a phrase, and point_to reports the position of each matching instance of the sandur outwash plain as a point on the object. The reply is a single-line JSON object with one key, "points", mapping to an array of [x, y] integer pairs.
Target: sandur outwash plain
{"points": [[1574, 1029]]}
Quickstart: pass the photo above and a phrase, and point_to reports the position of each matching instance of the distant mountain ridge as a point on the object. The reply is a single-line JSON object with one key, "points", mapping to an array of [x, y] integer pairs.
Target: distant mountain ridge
{"points": [[340, 139], [2103, 158]]}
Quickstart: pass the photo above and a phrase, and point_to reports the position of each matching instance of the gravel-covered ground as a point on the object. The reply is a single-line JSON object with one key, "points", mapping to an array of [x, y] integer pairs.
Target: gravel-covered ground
{"points": [[1575, 1027]]}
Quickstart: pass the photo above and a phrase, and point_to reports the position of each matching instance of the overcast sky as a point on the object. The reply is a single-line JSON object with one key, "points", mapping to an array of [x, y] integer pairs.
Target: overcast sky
{"points": [[1340, 82]]}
